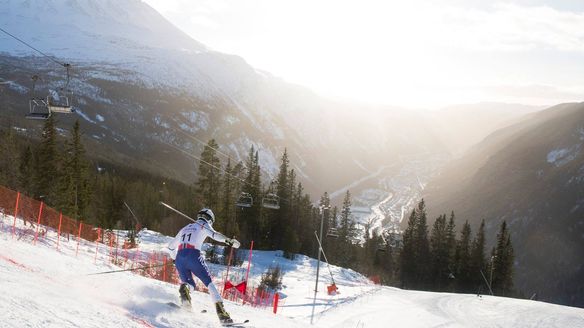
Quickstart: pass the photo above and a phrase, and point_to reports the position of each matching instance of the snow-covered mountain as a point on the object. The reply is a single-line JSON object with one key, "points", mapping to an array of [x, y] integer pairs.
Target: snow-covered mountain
{"points": [[149, 96], [144, 89]]}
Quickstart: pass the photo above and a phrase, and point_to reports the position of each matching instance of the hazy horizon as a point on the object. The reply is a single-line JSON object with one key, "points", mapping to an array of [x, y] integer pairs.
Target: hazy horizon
{"points": [[414, 54]]}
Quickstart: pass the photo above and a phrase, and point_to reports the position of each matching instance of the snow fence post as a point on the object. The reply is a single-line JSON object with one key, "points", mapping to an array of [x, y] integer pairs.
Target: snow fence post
{"points": [[78, 238], [97, 244], [164, 269], [276, 298], [36, 234], [124, 246], [59, 231], [227, 273], [15, 214]]}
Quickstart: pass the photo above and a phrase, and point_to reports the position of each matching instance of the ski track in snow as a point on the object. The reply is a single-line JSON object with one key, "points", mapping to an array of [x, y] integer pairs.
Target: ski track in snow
{"points": [[43, 287]]}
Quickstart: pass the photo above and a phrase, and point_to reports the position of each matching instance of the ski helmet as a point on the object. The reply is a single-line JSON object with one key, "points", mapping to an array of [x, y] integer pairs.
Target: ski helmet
{"points": [[207, 215]]}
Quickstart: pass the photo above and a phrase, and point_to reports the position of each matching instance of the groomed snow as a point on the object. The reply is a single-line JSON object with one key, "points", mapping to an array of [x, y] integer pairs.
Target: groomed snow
{"points": [[43, 287]]}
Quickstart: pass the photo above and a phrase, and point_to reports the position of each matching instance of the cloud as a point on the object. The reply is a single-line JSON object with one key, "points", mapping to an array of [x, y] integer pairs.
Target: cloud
{"points": [[537, 91], [510, 27]]}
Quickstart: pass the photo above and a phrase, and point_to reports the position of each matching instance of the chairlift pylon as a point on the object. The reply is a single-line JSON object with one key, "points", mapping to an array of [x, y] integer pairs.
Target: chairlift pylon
{"points": [[271, 201], [245, 200]]}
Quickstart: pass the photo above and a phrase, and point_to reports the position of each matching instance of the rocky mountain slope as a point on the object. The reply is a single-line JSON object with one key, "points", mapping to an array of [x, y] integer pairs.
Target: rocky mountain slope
{"points": [[530, 174], [149, 96]]}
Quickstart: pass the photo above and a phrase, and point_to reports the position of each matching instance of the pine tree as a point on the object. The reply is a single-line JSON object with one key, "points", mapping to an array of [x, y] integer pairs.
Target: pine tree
{"points": [[227, 198], [422, 247], [451, 242], [463, 274], [477, 257], [408, 253], [503, 259], [439, 254], [279, 226], [209, 183], [47, 167], [74, 190], [251, 225], [26, 171], [347, 232], [9, 157], [325, 202]]}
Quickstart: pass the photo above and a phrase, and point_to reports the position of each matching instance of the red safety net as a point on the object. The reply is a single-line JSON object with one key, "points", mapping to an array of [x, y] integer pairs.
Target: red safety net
{"points": [[31, 220]]}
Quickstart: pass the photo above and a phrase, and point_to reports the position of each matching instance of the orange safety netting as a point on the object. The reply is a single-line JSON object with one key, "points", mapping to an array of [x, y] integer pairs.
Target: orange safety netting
{"points": [[38, 220]]}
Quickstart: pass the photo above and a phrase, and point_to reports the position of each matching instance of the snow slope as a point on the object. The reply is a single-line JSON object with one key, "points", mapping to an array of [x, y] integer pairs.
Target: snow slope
{"points": [[42, 287]]}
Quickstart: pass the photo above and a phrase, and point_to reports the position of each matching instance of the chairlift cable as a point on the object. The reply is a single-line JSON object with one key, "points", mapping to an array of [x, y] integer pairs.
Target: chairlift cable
{"points": [[214, 166], [33, 48], [205, 162], [217, 150], [204, 143]]}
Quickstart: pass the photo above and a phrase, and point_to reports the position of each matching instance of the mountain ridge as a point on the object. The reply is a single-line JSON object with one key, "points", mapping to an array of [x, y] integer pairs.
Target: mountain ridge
{"points": [[530, 175]]}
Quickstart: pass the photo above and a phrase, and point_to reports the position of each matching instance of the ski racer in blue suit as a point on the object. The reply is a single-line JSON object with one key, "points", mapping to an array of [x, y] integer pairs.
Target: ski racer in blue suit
{"points": [[186, 251]]}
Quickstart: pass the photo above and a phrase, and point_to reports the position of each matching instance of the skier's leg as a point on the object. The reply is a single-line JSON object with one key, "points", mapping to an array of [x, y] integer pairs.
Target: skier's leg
{"points": [[184, 273], [202, 272], [186, 277]]}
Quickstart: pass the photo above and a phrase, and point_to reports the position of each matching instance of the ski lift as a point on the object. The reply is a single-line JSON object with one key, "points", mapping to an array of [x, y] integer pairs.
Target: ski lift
{"points": [[38, 109], [244, 200], [332, 233], [59, 102], [271, 201]]}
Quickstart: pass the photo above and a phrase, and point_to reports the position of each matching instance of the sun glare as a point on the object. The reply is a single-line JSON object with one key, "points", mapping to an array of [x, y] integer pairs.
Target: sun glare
{"points": [[412, 53]]}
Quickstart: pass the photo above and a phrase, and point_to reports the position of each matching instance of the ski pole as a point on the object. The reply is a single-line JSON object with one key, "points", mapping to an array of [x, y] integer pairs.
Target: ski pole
{"points": [[184, 215], [176, 211], [115, 271], [132, 212]]}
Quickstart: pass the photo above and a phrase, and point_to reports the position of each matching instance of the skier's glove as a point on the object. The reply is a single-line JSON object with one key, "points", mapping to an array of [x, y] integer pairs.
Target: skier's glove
{"points": [[232, 242]]}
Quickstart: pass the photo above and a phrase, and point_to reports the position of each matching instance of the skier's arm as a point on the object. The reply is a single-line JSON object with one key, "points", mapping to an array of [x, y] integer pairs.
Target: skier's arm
{"points": [[215, 235], [173, 246]]}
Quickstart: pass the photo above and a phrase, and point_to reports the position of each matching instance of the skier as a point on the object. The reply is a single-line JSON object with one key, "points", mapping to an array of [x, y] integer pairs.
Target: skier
{"points": [[186, 252]]}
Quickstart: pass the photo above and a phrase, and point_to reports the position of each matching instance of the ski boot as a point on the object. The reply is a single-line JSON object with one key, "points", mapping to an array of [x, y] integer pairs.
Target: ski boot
{"points": [[224, 317], [185, 295]]}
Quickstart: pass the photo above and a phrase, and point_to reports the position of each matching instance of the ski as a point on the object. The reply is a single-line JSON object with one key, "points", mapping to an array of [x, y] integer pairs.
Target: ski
{"points": [[235, 324], [176, 306]]}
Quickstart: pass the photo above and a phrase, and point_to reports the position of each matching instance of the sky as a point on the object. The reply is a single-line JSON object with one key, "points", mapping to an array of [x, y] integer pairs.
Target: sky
{"points": [[414, 53]]}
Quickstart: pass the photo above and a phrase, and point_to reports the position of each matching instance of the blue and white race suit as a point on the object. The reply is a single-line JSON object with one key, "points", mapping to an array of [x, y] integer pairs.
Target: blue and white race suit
{"points": [[186, 251]]}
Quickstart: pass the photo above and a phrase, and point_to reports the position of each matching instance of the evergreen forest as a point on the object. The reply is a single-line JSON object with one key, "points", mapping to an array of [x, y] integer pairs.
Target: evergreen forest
{"points": [[58, 170]]}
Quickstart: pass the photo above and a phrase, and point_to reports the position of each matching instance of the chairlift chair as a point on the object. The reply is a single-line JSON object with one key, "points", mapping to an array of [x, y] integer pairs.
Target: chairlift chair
{"points": [[37, 107], [271, 201], [332, 233], [245, 200], [61, 103]]}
